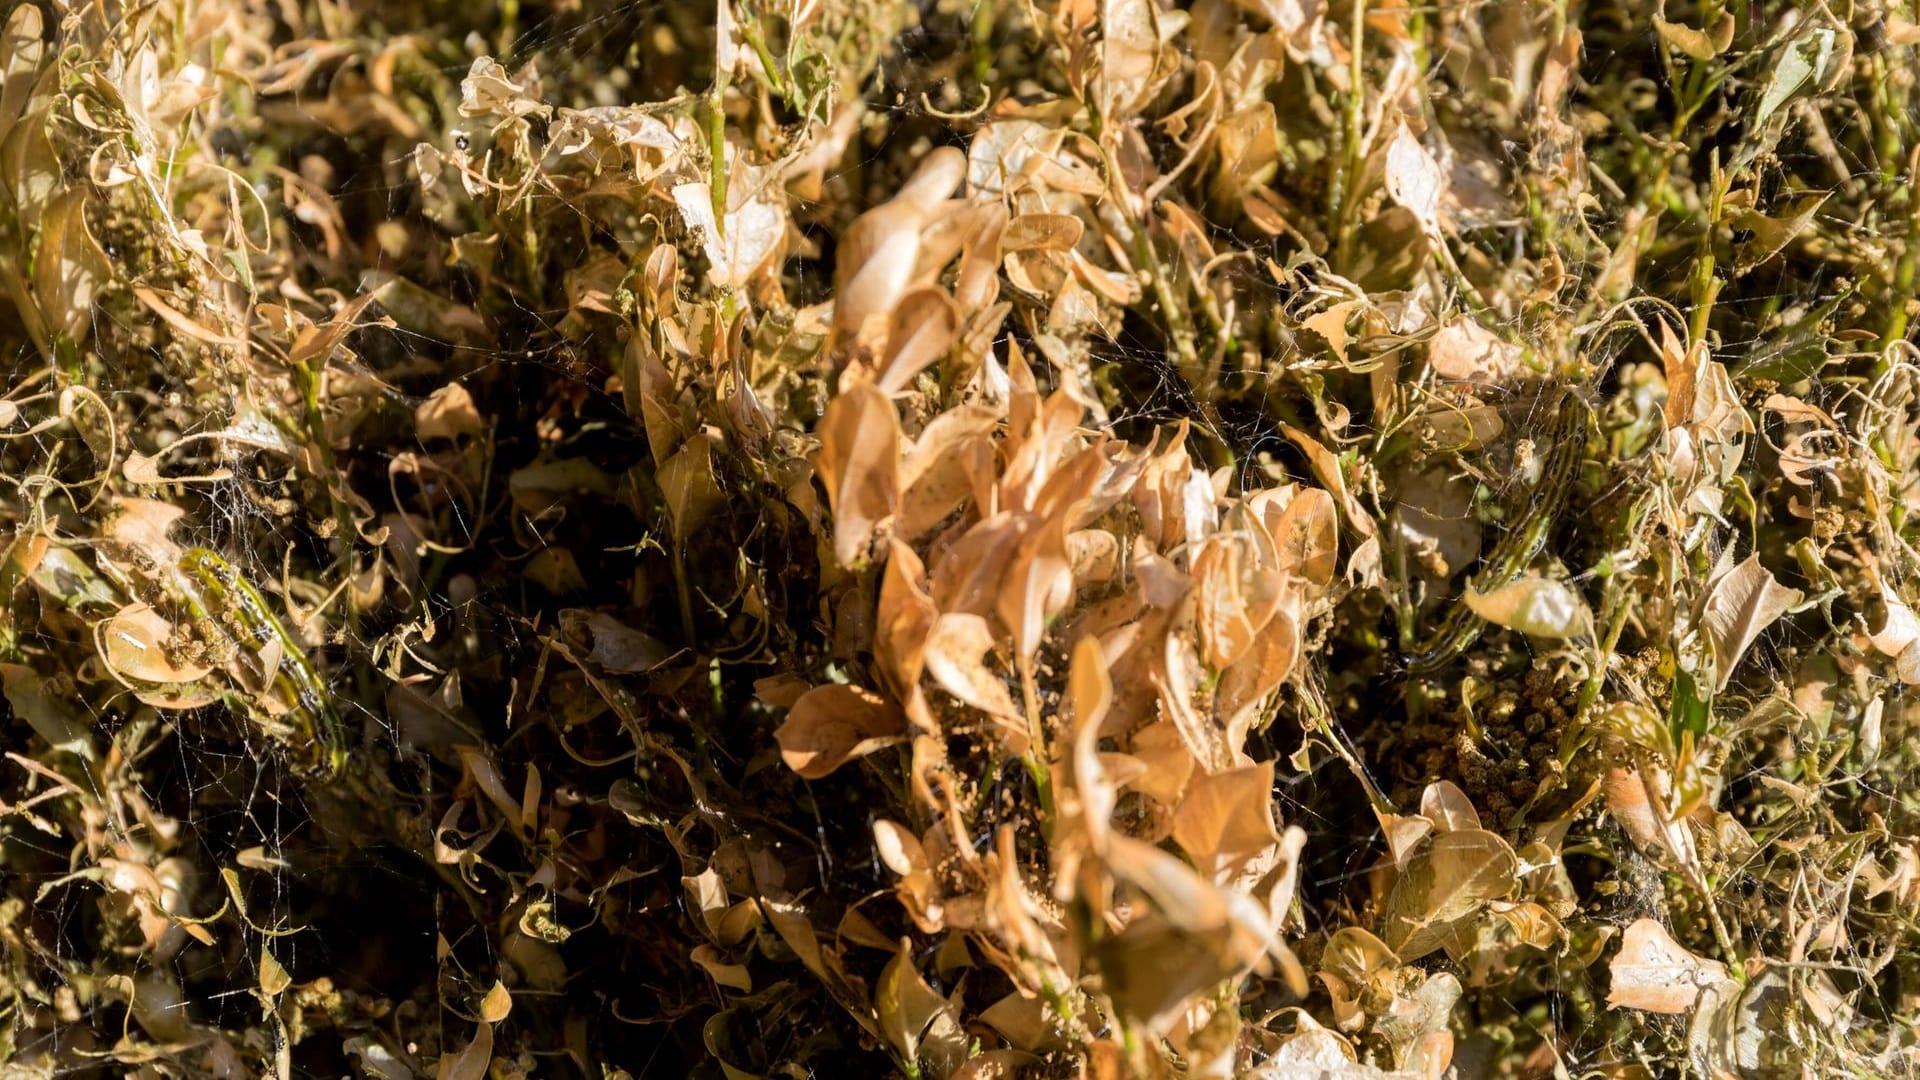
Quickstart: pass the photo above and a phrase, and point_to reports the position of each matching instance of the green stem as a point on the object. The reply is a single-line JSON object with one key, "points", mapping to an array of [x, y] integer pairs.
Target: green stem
{"points": [[1902, 294], [1347, 193]]}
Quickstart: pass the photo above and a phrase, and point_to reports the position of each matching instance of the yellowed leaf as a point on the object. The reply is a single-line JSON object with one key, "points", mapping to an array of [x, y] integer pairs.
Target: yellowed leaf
{"points": [[732, 976], [497, 1004], [273, 979]]}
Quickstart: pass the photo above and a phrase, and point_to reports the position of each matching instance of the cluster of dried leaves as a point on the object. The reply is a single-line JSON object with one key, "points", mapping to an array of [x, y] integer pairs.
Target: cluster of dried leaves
{"points": [[1258, 538]]}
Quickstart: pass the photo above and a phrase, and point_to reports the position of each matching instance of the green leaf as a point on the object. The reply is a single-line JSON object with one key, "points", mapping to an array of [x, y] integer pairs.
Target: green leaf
{"points": [[1690, 709]]}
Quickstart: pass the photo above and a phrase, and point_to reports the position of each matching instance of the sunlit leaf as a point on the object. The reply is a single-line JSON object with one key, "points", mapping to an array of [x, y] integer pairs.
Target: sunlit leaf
{"points": [[1449, 881], [859, 463], [1654, 973], [906, 1005], [1698, 44], [956, 652], [920, 331], [497, 1004], [1444, 804], [1537, 606], [832, 725], [1465, 350], [1414, 179], [138, 644], [1226, 817]]}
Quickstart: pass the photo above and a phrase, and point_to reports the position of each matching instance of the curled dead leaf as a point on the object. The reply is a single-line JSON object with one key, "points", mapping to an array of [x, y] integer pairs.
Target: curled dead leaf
{"points": [[956, 657], [448, 413], [1466, 351], [1227, 817], [920, 331]]}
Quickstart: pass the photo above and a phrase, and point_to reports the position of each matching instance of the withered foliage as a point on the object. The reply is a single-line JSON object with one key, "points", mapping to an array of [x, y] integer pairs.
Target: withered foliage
{"points": [[1074, 538]]}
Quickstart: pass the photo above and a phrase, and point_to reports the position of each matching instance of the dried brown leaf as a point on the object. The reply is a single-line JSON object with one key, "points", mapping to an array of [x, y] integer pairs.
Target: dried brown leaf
{"points": [[859, 464], [904, 619], [1414, 179], [448, 413], [1226, 818], [732, 976], [138, 644], [1740, 604], [907, 1007], [832, 725], [1654, 973], [692, 491], [956, 654], [1536, 606], [1449, 882], [1466, 351], [1444, 804], [920, 332]]}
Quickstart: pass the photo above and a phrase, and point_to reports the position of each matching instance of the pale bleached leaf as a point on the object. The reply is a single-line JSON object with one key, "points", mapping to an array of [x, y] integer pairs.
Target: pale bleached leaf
{"points": [[1536, 606], [1740, 604], [1414, 178]]}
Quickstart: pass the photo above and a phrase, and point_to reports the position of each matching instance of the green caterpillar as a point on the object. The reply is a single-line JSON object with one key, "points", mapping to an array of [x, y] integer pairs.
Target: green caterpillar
{"points": [[218, 593], [1567, 445]]}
